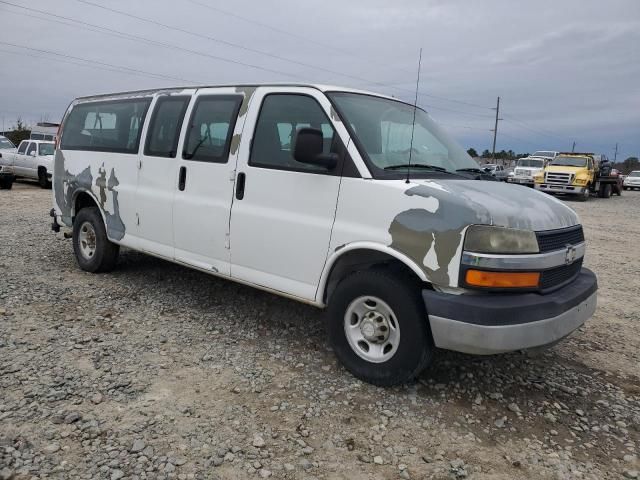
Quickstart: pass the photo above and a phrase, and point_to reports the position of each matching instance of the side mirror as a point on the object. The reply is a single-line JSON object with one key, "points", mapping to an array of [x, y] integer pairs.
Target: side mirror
{"points": [[308, 147], [33, 153]]}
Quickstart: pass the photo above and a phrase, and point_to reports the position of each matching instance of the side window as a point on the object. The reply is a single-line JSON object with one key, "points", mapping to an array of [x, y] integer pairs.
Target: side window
{"points": [[211, 128], [111, 126], [164, 129], [32, 148], [37, 136], [23, 147], [281, 116]]}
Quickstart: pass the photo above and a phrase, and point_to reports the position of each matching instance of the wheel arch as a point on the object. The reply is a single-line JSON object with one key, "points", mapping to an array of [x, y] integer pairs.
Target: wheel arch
{"points": [[360, 255], [83, 198]]}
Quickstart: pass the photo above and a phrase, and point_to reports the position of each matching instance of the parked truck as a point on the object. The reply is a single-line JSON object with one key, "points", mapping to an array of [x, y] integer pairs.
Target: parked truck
{"points": [[526, 170], [33, 159], [581, 174]]}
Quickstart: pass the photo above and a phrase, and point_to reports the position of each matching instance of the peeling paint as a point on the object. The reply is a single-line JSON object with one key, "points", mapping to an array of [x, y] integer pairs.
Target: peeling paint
{"points": [[235, 143], [66, 184], [248, 93]]}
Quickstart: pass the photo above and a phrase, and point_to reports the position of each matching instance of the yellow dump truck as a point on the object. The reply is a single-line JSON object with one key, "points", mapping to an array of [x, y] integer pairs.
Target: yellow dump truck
{"points": [[580, 174]]}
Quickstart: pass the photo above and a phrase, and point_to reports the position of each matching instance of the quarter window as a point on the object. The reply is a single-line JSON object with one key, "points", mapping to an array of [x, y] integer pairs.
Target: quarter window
{"points": [[211, 128], [113, 126], [164, 130], [23, 147], [281, 117]]}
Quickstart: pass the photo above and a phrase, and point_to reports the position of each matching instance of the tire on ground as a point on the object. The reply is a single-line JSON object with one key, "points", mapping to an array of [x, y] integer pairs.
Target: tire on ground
{"points": [[43, 181], [105, 254], [6, 184], [415, 347]]}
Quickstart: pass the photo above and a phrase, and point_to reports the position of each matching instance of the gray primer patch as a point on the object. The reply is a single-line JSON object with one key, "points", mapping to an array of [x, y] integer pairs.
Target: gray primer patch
{"points": [[334, 114], [114, 224], [235, 143], [65, 185], [413, 232], [248, 93], [464, 203]]}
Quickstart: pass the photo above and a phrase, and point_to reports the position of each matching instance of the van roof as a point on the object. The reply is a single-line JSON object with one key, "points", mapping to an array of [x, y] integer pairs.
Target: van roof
{"points": [[153, 91]]}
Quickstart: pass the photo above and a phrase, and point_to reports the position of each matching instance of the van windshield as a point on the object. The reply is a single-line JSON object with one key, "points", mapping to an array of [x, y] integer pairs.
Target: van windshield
{"points": [[569, 161], [530, 162], [382, 129]]}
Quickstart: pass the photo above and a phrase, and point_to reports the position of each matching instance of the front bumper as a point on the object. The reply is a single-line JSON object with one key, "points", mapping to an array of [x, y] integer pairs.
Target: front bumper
{"points": [[551, 188], [521, 180], [503, 322]]}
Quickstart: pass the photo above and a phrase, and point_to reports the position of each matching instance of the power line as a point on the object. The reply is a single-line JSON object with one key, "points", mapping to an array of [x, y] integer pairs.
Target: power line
{"points": [[522, 124], [123, 68], [249, 49], [281, 31], [132, 37]]}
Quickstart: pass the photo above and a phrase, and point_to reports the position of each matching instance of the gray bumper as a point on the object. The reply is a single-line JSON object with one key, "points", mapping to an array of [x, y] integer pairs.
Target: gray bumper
{"points": [[551, 188], [521, 180], [488, 324]]}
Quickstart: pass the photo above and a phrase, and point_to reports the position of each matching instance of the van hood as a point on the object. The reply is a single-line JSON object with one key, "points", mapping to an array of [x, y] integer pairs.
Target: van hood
{"points": [[494, 203]]}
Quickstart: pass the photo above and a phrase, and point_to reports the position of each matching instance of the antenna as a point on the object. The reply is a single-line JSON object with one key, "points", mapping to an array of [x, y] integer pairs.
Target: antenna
{"points": [[415, 107]]}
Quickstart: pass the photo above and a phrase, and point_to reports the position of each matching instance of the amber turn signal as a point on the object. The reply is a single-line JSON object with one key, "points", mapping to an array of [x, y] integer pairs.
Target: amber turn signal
{"points": [[478, 278]]}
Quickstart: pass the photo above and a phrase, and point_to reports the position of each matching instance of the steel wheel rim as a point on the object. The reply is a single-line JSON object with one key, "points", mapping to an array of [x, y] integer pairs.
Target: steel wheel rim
{"points": [[372, 329], [87, 240]]}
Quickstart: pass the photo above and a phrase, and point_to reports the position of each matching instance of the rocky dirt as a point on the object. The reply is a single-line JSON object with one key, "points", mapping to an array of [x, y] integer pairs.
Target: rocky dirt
{"points": [[158, 371]]}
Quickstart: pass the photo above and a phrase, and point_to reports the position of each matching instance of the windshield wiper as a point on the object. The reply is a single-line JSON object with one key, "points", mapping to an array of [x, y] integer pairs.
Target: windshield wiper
{"points": [[471, 169], [417, 165]]}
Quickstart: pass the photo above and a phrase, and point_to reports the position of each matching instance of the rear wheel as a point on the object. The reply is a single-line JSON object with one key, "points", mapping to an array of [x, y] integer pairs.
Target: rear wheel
{"points": [[605, 191], [93, 250], [378, 327], [6, 183]]}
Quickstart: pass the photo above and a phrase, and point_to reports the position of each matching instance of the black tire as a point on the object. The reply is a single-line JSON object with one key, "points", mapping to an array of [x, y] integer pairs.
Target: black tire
{"points": [[105, 254], [605, 191], [625, 188], [584, 194], [415, 347], [6, 184], [43, 181]]}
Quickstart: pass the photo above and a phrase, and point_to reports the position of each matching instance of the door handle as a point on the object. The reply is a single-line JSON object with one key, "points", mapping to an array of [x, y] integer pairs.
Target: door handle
{"points": [[182, 178], [240, 181]]}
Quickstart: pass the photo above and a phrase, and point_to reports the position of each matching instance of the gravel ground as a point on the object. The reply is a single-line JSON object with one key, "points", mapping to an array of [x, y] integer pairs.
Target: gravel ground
{"points": [[158, 371]]}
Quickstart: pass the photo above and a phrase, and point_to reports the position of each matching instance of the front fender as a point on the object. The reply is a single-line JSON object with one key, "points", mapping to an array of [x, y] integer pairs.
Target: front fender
{"points": [[339, 252]]}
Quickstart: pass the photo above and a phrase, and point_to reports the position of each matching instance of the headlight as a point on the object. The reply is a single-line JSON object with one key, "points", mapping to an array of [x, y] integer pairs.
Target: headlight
{"points": [[489, 239], [581, 181]]}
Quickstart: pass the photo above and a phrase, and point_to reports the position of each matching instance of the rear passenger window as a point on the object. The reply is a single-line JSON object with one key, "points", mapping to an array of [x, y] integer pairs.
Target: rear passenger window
{"points": [[211, 128], [113, 126], [23, 147], [32, 148], [164, 129], [281, 116]]}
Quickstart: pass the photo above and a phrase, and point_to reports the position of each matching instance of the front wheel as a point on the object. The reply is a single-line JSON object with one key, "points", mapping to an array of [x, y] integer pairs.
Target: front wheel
{"points": [[378, 327], [94, 252], [584, 194]]}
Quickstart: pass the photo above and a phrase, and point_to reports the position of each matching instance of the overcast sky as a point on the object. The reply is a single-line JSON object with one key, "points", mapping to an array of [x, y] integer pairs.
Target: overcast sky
{"points": [[566, 70]]}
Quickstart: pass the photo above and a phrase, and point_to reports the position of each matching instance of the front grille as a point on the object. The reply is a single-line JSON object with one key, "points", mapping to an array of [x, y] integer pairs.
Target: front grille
{"points": [[559, 275], [558, 178], [522, 172], [550, 240]]}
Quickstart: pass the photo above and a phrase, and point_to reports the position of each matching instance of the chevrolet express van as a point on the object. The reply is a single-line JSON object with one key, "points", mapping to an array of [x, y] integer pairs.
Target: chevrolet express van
{"points": [[320, 194]]}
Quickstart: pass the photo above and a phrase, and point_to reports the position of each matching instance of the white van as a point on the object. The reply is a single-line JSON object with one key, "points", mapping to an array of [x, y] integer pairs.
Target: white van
{"points": [[306, 191]]}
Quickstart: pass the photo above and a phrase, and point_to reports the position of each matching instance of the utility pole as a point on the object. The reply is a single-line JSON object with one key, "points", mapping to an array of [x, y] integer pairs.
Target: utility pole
{"points": [[615, 155], [573, 149], [495, 131]]}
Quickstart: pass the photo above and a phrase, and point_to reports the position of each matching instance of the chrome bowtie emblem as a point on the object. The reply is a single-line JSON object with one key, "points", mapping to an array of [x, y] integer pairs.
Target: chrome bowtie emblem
{"points": [[570, 255]]}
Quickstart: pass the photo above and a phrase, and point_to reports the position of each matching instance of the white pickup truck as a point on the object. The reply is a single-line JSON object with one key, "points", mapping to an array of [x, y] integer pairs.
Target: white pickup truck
{"points": [[33, 159]]}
